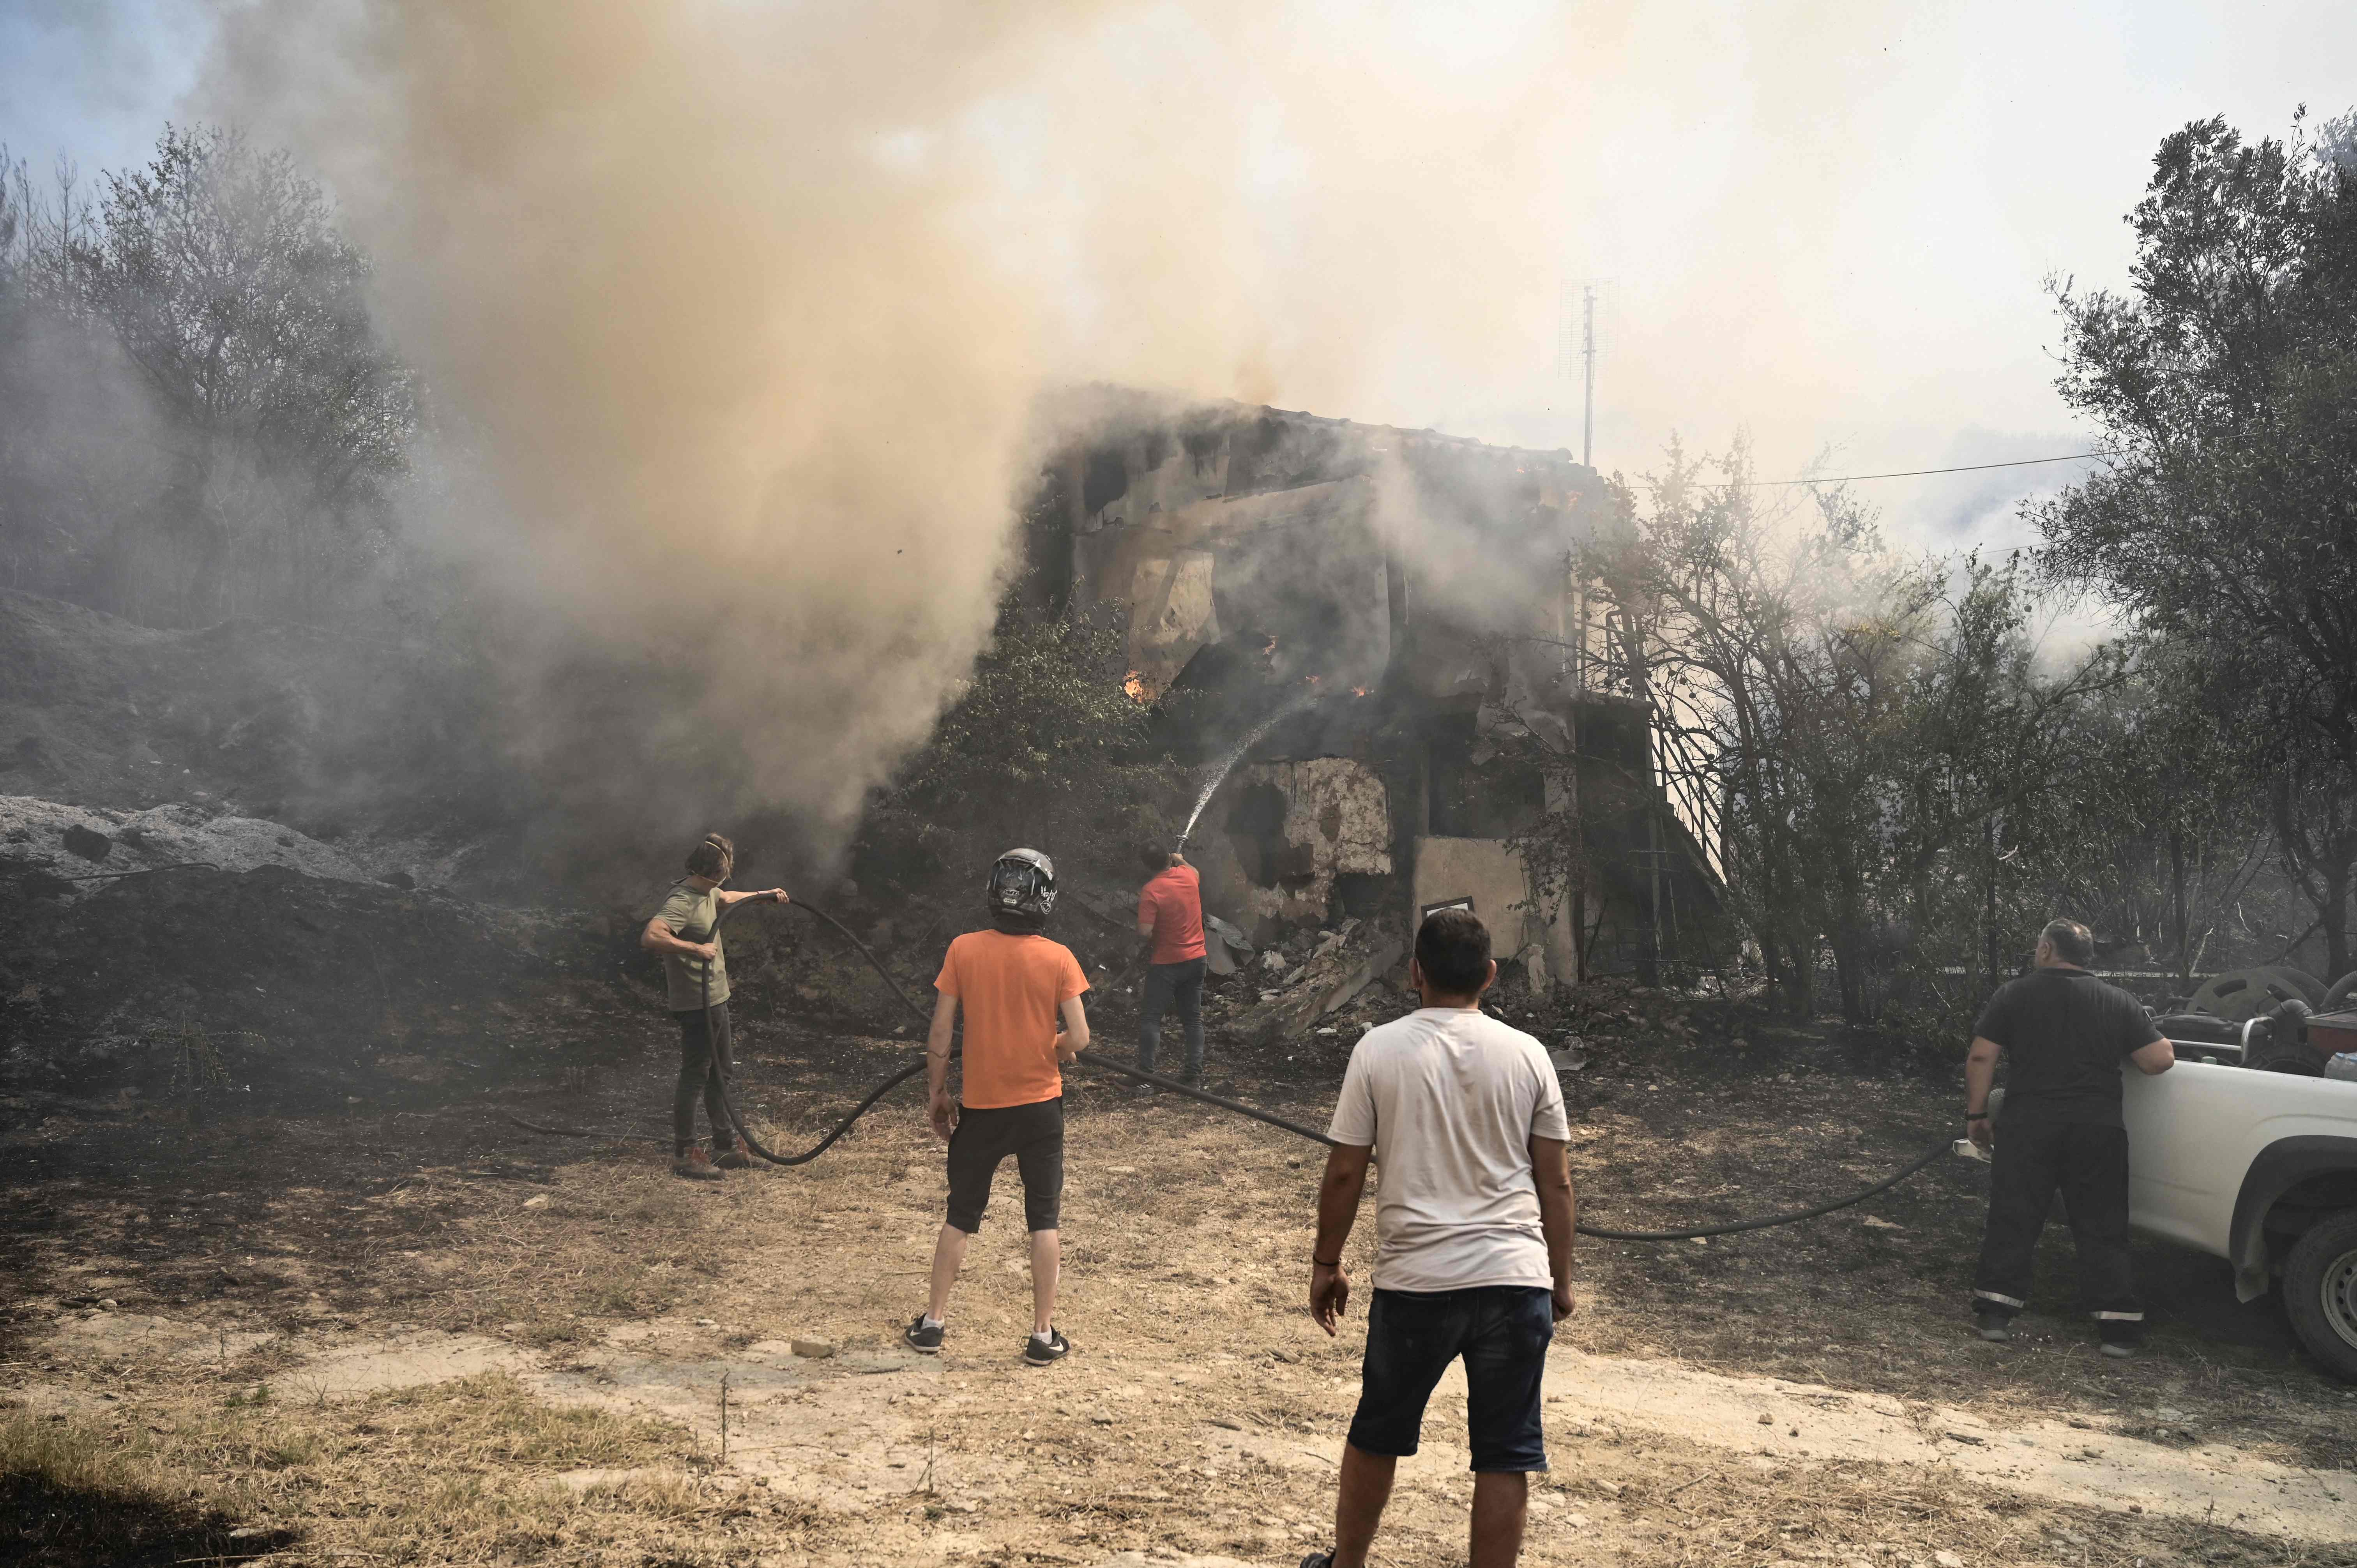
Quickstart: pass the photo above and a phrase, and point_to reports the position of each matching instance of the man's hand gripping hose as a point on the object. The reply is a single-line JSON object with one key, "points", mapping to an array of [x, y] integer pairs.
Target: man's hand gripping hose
{"points": [[1101, 1064]]}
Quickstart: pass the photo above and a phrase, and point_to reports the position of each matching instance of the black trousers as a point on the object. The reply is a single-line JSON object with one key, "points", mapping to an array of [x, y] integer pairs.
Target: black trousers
{"points": [[696, 1050], [2089, 1166]]}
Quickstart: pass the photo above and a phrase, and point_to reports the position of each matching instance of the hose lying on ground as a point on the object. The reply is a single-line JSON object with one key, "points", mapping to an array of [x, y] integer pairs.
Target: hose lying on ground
{"points": [[1104, 1064]]}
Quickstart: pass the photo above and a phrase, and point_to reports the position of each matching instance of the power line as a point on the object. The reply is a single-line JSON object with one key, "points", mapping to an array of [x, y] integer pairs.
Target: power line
{"points": [[1917, 473]]}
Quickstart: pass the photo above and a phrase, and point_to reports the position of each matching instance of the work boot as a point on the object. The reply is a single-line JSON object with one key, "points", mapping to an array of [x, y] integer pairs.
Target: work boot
{"points": [[734, 1158], [1997, 1328], [695, 1165], [2120, 1340]]}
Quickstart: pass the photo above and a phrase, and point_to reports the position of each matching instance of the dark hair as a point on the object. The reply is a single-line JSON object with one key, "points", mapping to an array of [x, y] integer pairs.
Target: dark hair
{"points": [[1452, 948], [1155, 858], [713, 857], [2072, 942]]}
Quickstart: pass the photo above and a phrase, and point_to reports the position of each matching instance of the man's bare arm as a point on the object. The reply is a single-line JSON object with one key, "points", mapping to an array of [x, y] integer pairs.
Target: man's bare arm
{"points": [[1339, 1192], [1551, 1170], [660, 938], [937, 1044], [2155, 1058], [1980, 1071], [1073, 1039]]}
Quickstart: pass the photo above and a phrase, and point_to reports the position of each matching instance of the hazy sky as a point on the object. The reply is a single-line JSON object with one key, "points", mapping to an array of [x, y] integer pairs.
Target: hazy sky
{"points": [[1827, 226]]}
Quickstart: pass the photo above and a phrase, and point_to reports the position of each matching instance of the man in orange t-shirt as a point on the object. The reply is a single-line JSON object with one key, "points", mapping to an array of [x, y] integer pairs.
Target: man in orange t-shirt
{"points": [[1015, 987], [1171, 910]]}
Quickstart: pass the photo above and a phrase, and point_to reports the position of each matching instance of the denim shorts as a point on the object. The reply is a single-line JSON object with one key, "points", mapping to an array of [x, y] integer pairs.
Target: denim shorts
{"points": [[1503, 1331]]}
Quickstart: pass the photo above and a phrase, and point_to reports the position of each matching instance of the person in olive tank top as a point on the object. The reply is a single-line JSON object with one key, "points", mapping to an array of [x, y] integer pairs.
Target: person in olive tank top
{"points": [[684, 933]]}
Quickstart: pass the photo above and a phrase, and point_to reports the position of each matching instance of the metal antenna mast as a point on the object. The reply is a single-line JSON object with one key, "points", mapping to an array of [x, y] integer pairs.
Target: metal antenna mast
{"points": [[1587, 352]]}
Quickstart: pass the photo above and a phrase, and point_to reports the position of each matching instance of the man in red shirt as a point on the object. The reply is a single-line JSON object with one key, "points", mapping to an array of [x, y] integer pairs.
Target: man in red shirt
{"points": [[1171, 910], [1021, 996]]}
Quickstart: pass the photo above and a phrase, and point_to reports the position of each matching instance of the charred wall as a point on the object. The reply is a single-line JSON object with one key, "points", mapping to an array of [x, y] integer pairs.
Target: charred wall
{"points": [[1390, 595]]}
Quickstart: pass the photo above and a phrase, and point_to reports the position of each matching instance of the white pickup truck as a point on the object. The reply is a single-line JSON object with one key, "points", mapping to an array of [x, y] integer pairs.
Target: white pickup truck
{"points": [[2259, 1168]]}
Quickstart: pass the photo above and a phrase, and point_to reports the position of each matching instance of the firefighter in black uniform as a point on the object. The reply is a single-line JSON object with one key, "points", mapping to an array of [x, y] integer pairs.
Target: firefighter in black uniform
{"points": [[2066, 1035]]}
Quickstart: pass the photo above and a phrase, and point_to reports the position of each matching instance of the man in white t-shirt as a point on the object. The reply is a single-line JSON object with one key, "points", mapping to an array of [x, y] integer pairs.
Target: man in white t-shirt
{"points": [[1473, 1223]]}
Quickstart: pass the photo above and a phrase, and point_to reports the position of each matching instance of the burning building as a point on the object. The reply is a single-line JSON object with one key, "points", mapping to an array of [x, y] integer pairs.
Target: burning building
{"points": [[1440, 713]]}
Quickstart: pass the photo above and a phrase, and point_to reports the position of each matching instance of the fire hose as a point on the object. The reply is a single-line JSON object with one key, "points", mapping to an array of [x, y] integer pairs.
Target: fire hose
{"points": [[1235, 1107]]}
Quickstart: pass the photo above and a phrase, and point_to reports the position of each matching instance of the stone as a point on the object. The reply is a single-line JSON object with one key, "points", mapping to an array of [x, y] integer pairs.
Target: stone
{"points": [[815, 1349]]}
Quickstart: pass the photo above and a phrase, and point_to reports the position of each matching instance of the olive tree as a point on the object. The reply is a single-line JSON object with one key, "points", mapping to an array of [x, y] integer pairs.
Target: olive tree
{"points": [[2225, 521]]}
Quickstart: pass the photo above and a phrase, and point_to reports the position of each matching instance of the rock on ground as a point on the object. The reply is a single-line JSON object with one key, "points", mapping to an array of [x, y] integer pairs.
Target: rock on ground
{"points": [[89, 841]]}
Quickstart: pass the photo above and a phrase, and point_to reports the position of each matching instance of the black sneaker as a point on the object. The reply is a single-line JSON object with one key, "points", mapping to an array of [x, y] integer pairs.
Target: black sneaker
{"points": [[1039, 1352], [924, 1340], [1318, 1560], [1997, 1328]]}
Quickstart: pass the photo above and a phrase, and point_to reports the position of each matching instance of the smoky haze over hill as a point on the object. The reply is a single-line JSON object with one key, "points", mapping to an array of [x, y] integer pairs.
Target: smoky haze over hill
{"points": [[744, 317]]}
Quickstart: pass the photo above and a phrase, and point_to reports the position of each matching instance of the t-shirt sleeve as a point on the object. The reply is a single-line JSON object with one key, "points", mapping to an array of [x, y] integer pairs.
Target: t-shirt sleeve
{"points": [[677, 909], [1071, 982], [1354, 1109], [1548, 1118], [946, 983], [1149, 912], [2136, 1028], [1996, 1019]]}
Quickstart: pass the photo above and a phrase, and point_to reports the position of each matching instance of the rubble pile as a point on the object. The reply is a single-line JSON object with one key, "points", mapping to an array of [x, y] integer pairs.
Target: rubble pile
{"points": [[1332, 984]]}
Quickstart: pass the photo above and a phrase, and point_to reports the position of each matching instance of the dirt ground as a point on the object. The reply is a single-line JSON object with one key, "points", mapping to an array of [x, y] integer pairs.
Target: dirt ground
{"points": [[420, 1334]]}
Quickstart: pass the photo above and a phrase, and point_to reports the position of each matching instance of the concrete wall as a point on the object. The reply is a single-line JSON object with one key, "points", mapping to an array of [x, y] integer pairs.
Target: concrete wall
{"points": [[1336, 821], [1489, 872]]}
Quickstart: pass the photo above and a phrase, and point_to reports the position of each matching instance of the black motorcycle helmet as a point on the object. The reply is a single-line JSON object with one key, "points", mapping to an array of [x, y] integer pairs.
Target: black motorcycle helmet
{"points": [[1022, 891]]}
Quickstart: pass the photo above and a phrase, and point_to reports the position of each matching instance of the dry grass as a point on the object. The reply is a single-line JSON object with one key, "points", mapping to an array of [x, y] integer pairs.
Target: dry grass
{"points": [[1198, 1414], [459, 1473]]}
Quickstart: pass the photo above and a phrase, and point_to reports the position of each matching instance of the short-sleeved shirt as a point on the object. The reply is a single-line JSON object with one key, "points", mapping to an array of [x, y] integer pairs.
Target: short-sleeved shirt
{"points": [[1009, 989], [1173, 905], [1449, 1098], [2065, 1033], [690, 914]]}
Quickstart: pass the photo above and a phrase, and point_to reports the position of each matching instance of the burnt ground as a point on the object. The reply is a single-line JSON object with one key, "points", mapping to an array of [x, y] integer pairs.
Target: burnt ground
{"points": [[583, 1303]]}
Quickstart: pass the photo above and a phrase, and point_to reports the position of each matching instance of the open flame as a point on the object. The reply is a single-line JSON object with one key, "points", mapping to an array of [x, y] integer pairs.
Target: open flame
{"points": [[1135, 684]]}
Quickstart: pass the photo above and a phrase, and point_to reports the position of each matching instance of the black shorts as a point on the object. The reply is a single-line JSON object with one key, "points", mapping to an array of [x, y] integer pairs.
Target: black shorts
{"points": [[1503, 1331], [1034, 1135]]}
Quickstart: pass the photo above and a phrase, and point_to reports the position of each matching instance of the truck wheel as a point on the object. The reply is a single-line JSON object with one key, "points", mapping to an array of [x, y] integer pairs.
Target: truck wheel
{"points": [[2342, 989], [2320, 1286]]}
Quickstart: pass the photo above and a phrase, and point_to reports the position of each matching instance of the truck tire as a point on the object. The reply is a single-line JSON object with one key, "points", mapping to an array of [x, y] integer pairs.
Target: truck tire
{"points": [[2320, 1287], [2342, 989]]}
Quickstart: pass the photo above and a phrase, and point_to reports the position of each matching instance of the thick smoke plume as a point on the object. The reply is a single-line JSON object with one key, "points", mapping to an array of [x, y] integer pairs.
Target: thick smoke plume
{"points": [[741, 311]]}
